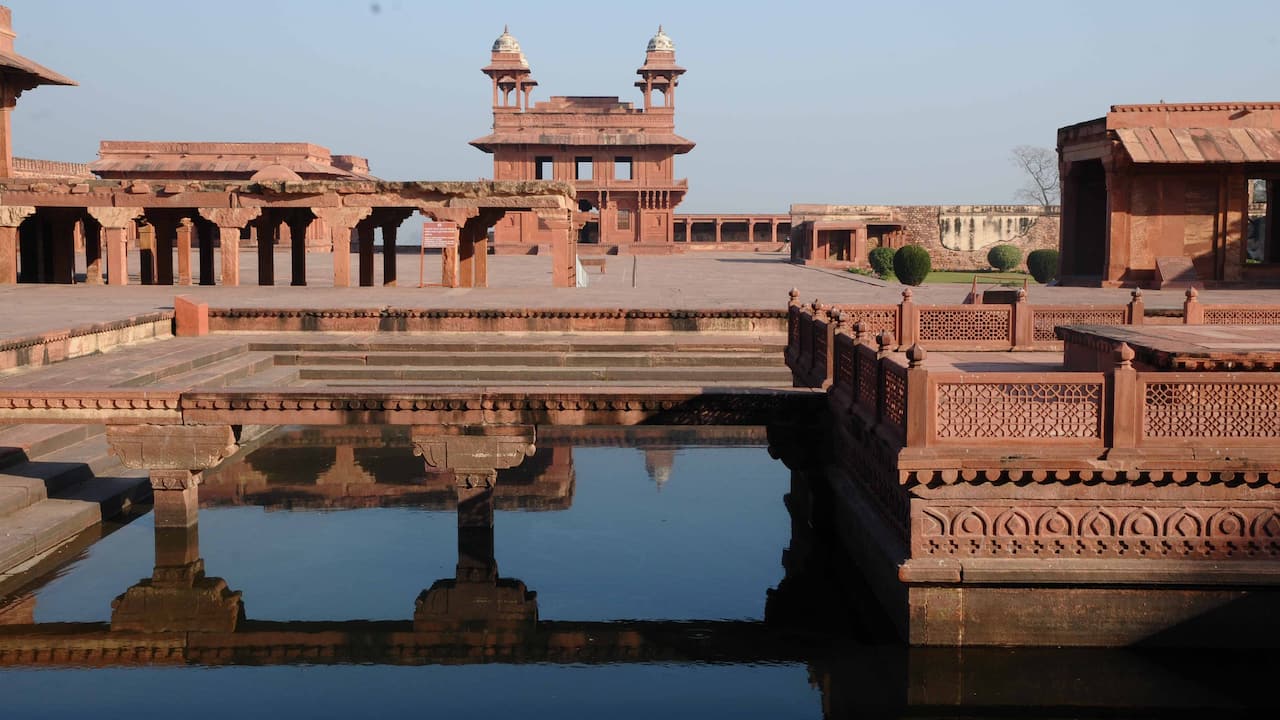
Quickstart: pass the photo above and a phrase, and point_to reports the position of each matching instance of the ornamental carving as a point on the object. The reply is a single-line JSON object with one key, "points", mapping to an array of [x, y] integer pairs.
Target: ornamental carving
{"points": [[1201, 531], [1211, 409], [1019, 410], [1044, 321], [115, 218], [171, 447], [231, 217], [466, 454], [13, 215]]}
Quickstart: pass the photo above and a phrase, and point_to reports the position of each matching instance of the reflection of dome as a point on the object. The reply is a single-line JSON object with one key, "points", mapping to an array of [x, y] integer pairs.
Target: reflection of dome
{"points": [[658, 464], [661, 42], [506, 43]]}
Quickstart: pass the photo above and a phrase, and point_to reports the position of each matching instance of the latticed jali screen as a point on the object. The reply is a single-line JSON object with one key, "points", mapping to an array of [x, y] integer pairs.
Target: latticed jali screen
{"points": [[1241, 315], [1019, 410], [1211, 409], [1044, 321], [940, 323], [893, 408]]}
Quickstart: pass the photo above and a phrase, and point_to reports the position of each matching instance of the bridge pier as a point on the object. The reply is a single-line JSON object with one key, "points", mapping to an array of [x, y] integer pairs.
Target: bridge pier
{"points": [[178, 597], [176, 456]]}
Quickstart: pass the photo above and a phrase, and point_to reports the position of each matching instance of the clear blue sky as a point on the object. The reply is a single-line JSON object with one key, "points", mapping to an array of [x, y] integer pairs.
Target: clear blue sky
{"points": [[884, 102]]}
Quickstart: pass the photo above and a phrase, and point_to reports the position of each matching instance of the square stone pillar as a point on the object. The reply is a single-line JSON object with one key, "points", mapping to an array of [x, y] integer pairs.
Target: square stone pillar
{"points": [[268, 229], [341, 222], [389, 254], [10, 218], [183, 233], [364, 236], [147, 253], [116, 223], [63, 238], [230, 222], [92, 251], [564, 251], [298, 248], [175, 456]]}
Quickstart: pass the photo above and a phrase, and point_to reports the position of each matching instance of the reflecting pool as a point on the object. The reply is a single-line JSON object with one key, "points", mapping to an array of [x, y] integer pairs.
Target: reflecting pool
{"points": [[623, 572]]}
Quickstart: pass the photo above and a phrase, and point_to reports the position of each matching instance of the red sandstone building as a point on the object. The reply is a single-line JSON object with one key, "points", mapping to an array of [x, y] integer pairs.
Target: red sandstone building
{"points": [[620, 159], [1159, 195]]}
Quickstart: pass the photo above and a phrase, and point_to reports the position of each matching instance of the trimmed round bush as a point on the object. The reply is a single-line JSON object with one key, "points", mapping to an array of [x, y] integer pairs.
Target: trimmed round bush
{"points": [[1043, 265], [881, 260], [911, 264], [1004, 257]]}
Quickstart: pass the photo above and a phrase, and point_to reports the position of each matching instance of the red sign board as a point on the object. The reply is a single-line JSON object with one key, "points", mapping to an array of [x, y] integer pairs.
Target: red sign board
{"points": [[439, 234]]}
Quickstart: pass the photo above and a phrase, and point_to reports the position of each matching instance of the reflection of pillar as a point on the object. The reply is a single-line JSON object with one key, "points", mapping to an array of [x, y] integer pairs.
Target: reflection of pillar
{"points": [[230, 222], [10, 218], [175, 455], [178, 597], [474, 454], [115, 223]]}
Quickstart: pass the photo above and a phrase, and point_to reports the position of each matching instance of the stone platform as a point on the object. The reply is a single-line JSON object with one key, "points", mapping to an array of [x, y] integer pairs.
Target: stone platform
{"points": [[1174, 347]]}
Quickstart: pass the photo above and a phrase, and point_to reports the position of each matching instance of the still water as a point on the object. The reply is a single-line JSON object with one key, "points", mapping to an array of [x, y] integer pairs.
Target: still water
{"points": [[638, 574]]}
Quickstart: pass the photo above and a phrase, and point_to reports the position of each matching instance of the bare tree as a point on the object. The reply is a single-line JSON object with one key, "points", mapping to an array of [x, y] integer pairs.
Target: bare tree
{"points": [[1041, 165]]}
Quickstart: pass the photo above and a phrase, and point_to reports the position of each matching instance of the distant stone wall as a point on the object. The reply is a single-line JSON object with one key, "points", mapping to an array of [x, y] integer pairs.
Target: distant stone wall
{"points": [[958, 237], [29, 167]]}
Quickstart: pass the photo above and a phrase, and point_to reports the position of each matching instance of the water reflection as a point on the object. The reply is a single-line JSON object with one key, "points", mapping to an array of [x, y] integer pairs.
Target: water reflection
{"points": [[815, 620]]}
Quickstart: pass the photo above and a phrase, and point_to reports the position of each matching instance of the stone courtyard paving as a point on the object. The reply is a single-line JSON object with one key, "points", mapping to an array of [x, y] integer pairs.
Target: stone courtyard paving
{"points": [[690, 281]]}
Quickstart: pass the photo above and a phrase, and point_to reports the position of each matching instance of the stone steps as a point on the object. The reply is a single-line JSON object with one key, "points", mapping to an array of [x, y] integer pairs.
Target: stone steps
{"points": [[584, 359], [460, 372], [48, 500], [238, 370]]}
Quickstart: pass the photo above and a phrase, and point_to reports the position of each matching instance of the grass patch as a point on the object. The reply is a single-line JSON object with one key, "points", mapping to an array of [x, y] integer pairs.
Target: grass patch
{"points": [[985, 277]]}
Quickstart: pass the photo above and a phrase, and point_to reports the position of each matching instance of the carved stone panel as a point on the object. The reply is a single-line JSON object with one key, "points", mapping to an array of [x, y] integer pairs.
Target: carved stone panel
{"points": [[171, 447]]}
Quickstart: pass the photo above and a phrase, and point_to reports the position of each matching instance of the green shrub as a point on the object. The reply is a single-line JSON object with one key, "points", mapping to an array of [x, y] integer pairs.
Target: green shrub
{"points": [[1004, 257], [1043, 265], [881, 260], [911, 264]]}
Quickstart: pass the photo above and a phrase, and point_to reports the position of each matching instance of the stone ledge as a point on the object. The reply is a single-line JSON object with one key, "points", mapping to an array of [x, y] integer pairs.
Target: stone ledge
{"points": [[56, 346]]}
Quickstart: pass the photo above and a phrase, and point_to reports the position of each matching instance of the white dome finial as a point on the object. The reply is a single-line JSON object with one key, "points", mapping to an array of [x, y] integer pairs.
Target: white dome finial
{"points": [[661, 42]]}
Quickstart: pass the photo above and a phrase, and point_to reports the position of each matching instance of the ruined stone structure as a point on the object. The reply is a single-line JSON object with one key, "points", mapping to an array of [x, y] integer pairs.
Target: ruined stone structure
{"points": [[957, 236], [619, 158], [1159, 195]]}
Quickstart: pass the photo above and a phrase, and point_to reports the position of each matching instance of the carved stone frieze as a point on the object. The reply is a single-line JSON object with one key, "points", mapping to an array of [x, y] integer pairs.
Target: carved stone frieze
{"points": [[230, 217], [171, 447], [115, 217], [13, 215], [1217, 530]]}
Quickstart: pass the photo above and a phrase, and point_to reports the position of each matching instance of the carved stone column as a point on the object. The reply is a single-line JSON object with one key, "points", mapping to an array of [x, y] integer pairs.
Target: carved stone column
{"points": [[341, 221], [176, 455], [230, 222], [183, 234], [11, 216], [116, 222]]}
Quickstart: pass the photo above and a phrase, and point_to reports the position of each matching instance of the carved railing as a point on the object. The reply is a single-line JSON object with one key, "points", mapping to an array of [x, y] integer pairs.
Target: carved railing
{"points": [[811, 327], [1222, 407]]}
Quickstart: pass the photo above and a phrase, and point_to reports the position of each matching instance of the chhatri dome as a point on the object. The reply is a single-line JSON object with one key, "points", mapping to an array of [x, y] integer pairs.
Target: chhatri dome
{"points": [[659, 42], [507, 44]]}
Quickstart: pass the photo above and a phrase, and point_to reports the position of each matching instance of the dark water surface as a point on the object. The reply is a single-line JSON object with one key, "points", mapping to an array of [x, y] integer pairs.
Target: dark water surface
{"points": [[660, 591]]}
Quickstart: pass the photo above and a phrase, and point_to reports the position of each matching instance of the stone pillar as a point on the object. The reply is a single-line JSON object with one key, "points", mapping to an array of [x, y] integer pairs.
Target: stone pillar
{"points": [[389, 232], [564, 255], [92, 251], [298, 247], [773, 231], [205, 233], [340, 222], [63, 238], [11, 216], [1124, 402], [230, 222], [175, 455], [146, 252], [166, 231], [268, 228], [185, 229], [364, 236], [719, 223], [116, 222]]}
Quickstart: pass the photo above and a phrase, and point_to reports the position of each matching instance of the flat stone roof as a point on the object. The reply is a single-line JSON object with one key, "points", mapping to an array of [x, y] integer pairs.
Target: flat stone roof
{"points": [[1188, 347]]}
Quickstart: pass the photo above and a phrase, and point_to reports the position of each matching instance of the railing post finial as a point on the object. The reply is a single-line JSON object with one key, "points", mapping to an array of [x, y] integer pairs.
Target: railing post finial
{"points": [[794, 297], [916, 355]]}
